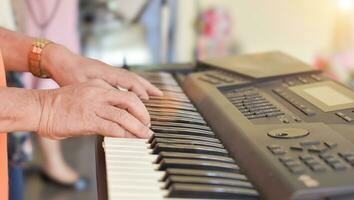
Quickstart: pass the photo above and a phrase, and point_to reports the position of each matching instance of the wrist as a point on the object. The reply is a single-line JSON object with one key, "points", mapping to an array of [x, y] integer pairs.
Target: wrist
{"points": [[49, 58], [58, 62]]}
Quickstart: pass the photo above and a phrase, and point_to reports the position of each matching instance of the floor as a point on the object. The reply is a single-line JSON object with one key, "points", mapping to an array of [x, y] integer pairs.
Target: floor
{"points": [[80, 154]]}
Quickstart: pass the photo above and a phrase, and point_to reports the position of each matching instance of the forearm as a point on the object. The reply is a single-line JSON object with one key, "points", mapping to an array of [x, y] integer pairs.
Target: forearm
{"points": [[20, 109], [15, 48]]}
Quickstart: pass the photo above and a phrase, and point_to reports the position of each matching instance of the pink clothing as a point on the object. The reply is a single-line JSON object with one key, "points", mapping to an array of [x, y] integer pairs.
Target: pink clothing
{"points": [[63, 29]]}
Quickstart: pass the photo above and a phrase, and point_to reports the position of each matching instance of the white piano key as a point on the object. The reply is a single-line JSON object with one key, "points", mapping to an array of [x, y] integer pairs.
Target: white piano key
{"points": [[132, 188], [148, 158], [136, 175], [130, 148], [113, 141], [135, 183], [132, 169], [131, 152], [138, 196]]}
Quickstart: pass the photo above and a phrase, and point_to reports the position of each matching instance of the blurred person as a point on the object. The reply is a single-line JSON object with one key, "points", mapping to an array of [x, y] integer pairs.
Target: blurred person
{"points": [[42, 18], [88, 102], [19, 144]]}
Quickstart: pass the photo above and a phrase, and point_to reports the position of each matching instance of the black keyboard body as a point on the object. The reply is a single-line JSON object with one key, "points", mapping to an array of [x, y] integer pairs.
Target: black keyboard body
{"points": [[288, 127]]}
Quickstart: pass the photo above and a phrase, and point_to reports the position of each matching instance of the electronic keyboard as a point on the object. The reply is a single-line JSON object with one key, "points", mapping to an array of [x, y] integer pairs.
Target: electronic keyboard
{"points": [[263, 126]]}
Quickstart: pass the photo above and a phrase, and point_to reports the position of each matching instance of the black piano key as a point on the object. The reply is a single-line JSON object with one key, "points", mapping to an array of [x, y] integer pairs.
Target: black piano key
{"points": [[201, 191], [166, 163], [170, 88], [169, 102], [169, 106], [175, 94], [188, 148], [195, 156], [185, 141], [172, 93], [180, 125], [155, 117], [184, 136], [206, 173], [169, 110], [163, 98], [163, 81], [207, 181], [190, 131], [176, 114]]}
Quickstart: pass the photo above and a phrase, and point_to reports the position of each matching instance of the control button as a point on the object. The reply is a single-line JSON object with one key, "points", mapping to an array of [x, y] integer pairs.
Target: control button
{"points": [[330, 145], [318, 149], [345, 117], [348, 119], [316, 77], [292, 163], [340, 114], [302, 79], [280, 151], [296, 148], [338, 166], [309, 112], [274, 114], [284, 120], [286, 159], [346, 154], [310, 142], [350, 159], [326, 156], [209, 80], [312, 162], [318, 168], [273, 146], [297, 169], [288, 133], [332, 160], [296, 119], [307, 157], [291, 83]]}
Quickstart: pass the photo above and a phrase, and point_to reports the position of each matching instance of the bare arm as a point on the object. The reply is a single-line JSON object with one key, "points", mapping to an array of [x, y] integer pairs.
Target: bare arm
{"points": [[88, 104], [65, 67], [15, 48]]}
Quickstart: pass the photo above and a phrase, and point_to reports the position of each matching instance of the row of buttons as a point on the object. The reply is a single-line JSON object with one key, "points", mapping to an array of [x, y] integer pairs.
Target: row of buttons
{"points": [[307, 111], [217, 77], [315, 163], [313, 146], [253, 105], [344, 116], [220, 76], [285, 120], [304, 80]]}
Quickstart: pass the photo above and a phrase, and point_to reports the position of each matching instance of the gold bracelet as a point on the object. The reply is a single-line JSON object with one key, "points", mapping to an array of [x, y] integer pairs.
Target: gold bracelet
{"points": [[34, 58]]}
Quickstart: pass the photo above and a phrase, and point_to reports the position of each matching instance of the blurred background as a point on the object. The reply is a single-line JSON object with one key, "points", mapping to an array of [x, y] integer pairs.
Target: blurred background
{"points": [[319, 32], [151, 32]]}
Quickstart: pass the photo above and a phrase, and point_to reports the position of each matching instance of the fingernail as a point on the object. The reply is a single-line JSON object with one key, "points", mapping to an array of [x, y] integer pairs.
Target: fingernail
{"points": [[144, 97], [150, 133], [149, 125]]}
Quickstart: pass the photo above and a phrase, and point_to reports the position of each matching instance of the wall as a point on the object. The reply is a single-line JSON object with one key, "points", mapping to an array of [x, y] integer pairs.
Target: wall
{"points": [[301, 28]]}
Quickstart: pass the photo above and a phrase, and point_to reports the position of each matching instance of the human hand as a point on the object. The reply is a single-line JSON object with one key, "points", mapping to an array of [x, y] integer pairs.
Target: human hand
{"points": [[92, 107], [67, 68]]}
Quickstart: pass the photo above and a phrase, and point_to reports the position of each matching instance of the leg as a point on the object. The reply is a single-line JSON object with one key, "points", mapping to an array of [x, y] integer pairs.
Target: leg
{"points": [[54, 164], [15, 183]]}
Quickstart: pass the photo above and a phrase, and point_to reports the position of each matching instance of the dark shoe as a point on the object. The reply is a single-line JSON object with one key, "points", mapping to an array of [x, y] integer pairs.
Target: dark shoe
{"points": [[80, 184]]}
